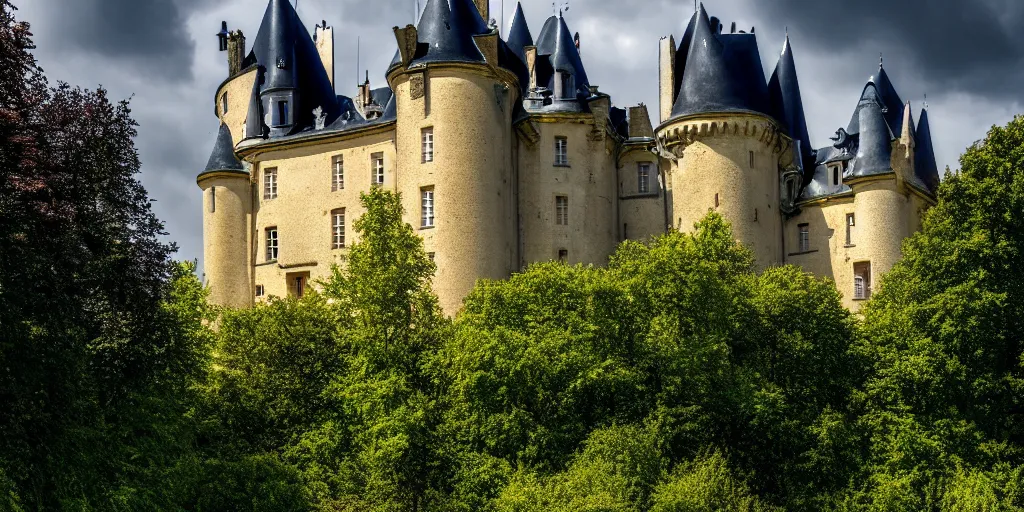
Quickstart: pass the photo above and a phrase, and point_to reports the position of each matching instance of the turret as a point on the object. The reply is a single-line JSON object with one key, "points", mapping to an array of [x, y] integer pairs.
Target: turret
{"points": [[454, 101], [227, 204], [788, 108], [724, 145], [925, 167]]}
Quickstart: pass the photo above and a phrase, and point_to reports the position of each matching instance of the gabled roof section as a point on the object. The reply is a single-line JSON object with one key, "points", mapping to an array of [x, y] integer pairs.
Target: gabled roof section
{"points": [[891, 103], [722, 74], [446, 31], [223, 158], [519, 36], [787, 105], [924, 155], [289, 61]]}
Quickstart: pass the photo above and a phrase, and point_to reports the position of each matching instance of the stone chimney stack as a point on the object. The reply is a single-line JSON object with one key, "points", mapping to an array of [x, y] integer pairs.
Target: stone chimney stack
{"points": [[236, 52], [323, 36], [484, 6]]}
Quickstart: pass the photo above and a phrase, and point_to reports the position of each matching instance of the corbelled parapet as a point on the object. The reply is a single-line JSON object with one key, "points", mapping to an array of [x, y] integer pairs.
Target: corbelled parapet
{"points": [[674, 139]]}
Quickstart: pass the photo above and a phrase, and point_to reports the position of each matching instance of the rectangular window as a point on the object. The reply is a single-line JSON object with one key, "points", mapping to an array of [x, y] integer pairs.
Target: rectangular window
{"points": [[850, 223], [377, 164], [213, 199], [272, 244], [338, 228], [561, 151], [224, 103], [270, 183], [805, 238], [297, 284], [427, 207], [862, 280], [337, 173], [259, 290], [282, 113], [428, 145], [430, 256], [563, 255], [644, 178], [562, 210]]}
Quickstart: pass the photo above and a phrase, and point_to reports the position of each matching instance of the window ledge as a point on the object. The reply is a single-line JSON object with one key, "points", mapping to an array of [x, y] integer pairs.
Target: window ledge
{"points": [[802, 253], [862, 299], [564, 166], [265, 263], [298, 265], [645, 195], [424, 228], [847, 246]]}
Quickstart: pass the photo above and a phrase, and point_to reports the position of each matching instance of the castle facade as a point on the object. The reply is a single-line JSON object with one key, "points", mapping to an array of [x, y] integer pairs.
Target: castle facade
{"points": [[505, 154]]}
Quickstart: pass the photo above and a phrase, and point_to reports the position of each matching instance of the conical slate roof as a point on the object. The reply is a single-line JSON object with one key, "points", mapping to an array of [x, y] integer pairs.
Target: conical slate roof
{"points": [[924, 155], [682, 52], [874, 154], [891, 103], [445, 32], [787, 104], [546, 39], [223, 156], [566, 57], [289, 60], [519, 36], [722, 74], [255, 128]]}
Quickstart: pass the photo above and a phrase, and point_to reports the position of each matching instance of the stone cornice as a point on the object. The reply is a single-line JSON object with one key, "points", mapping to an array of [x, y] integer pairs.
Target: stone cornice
{"points": [[676, 135]]}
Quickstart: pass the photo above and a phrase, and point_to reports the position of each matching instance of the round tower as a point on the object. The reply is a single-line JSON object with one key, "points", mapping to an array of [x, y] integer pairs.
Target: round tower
{"points": [[454, 145], [227, 201], [723, 146]]}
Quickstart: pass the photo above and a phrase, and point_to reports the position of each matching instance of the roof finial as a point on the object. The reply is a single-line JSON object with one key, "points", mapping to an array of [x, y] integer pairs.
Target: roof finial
{"points": [[880, 60], [926, 101]]}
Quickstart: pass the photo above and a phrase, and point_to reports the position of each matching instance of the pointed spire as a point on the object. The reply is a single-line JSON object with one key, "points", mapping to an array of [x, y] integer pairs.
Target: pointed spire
{"points": [[519, 36], [874, 154], [723, 73], [223, 156], [566, 57], [787, 104], [892, 105], [924, 156]]}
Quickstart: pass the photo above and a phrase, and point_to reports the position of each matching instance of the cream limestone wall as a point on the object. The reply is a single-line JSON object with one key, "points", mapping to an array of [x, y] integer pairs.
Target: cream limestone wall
{"points": [[666, 76], [883, 217], [589, 183], [641, 216], [302, 210], [239, 91], [714, 160], [469, 109], [226, 238]]}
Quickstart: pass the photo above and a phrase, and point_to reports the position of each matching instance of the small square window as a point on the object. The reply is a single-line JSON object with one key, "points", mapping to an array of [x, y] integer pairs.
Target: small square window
{"points": [[428, 145], [563, 255], [562, 210], [259, 290], [337, 173], [270, 183]]}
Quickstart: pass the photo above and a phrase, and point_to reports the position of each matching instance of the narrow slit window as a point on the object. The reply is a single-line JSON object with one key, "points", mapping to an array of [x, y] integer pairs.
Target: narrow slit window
{"points": [[428, 145], [213, 199], [282, 112], [805, 238], [427, 207], [270, 183], [224, 103], [337, 173], [272, 241], [851, 222], [562, 210], [644, 178], [338, 228], [751, 159]]}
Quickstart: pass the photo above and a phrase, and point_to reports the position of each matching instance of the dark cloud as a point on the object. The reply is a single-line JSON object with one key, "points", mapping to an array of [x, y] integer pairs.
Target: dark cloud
{"points": [[951, 45], [150, 35]]}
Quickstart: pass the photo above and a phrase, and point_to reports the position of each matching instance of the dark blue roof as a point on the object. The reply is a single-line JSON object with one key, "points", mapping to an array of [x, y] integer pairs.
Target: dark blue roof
{"points": [[566, 57], [874, 153], [891, 103], [289, 61], [446, 31], [546, 39], [681, 53], [924, 155], [223, 156], [519, 36], [788, 108], [254, 125], [722, 73]]}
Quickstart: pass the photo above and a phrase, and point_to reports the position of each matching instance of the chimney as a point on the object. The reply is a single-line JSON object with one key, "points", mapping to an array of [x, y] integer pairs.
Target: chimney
{"points": [[236, 52], [323, 38]]}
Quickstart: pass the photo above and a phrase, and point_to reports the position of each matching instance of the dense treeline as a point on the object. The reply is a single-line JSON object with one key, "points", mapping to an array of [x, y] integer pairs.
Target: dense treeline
{"points": [[675, 379]]}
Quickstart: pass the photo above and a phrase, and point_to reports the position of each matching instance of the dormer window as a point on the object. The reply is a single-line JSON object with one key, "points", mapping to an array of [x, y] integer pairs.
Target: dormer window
{"points": [[837, 173]]}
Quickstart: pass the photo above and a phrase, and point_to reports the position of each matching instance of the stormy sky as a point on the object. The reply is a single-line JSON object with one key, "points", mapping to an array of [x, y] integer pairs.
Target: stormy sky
{"points": [[967, 57]]}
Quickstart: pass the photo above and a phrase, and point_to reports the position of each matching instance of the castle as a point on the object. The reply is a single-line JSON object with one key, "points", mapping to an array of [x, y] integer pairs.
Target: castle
{"points": [[505, 154]]}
